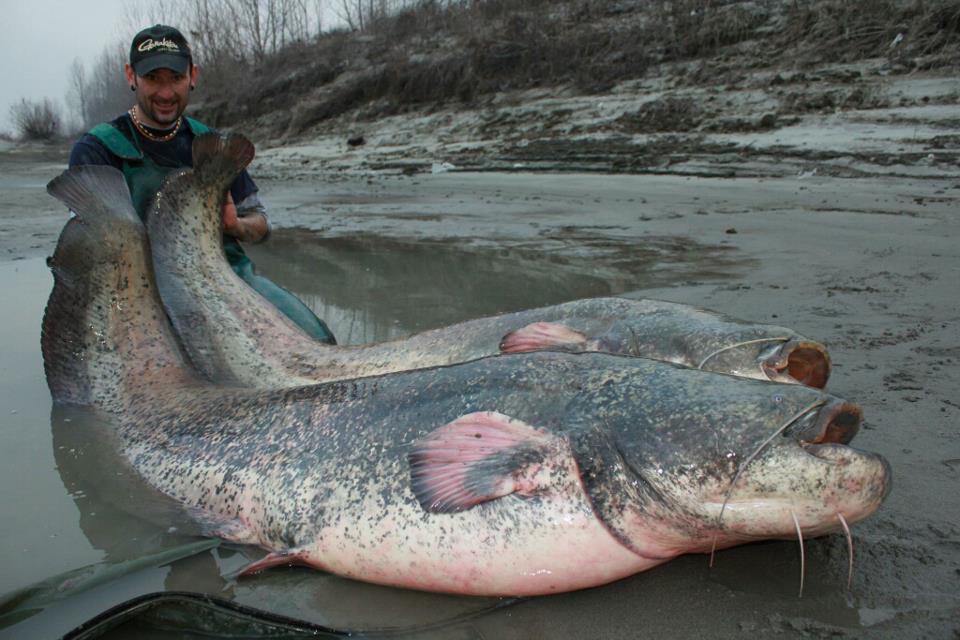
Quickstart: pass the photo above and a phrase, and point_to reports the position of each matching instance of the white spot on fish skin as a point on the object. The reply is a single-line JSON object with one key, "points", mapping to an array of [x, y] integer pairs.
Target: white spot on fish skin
{"points": [[538, 572]]}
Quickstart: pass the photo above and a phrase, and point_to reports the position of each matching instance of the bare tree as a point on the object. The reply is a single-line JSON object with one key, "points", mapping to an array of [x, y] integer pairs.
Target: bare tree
{"points": [[138, 15], [351, 12], [270, 25], [108, 92], [78, 94], [359, 15], [240, 31]]}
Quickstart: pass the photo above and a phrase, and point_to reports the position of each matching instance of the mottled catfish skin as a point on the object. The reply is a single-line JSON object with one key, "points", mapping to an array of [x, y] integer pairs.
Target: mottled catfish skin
{"points": [[532, 474], [233, 334]]}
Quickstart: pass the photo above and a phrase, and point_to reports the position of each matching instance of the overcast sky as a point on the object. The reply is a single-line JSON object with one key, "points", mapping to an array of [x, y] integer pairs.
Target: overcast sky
{"points": [[39, 40]]}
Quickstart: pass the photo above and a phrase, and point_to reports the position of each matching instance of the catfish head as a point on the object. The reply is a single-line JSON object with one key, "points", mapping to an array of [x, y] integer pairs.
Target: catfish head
{"points": [[698, 467], [779, 359]]}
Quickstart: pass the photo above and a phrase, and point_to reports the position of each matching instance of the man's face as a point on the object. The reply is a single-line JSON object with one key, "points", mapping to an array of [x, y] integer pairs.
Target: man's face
{"points": [[162, 94]]}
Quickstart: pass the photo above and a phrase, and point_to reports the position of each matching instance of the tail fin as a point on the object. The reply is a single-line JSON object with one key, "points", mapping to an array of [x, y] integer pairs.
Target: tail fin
{"points": [[186, 238], [186, 224], [220, 158], [103, 323], [190, 202]]}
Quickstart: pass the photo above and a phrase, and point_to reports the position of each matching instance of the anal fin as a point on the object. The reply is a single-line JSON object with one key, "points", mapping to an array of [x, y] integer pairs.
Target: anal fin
{"points": [[276, 559]]}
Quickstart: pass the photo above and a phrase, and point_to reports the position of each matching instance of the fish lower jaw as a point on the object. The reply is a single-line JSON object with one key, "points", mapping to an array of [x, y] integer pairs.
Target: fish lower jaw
{"points": [[754, 520]]}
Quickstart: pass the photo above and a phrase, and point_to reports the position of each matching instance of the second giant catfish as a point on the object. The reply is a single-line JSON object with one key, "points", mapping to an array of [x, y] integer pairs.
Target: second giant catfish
{"points": [[232, 334], [533, 474]]}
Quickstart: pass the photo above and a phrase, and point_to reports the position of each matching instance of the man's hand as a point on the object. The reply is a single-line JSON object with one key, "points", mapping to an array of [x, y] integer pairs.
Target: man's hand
{"points": [[230, 219], [251, 228]]}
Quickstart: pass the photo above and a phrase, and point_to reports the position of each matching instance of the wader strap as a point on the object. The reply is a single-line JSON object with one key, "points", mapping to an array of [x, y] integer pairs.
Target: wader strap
{"points": [[196, 126], [117, 143]]}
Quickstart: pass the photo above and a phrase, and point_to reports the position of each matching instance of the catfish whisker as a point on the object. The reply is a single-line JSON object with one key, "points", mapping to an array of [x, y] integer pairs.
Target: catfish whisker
{"points": [[752, 456], [740, 344], [803, 560], [713, 550], [846, 530]]}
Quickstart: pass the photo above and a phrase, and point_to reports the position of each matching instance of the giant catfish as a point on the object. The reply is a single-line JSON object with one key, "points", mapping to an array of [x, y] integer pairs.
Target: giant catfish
{"points": [[530, 474], [232, 334]]}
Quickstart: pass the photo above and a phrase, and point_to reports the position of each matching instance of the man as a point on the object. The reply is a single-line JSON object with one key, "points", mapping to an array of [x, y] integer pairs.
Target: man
{"points": [[154, 138]]}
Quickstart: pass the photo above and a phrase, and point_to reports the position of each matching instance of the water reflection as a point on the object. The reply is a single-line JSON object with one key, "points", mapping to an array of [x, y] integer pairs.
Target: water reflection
{"points": [[118, 513], [373, 289]]}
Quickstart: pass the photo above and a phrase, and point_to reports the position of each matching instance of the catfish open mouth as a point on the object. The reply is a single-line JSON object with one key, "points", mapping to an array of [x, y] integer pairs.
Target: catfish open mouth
{"points": [[794, 361], [836, 422]]}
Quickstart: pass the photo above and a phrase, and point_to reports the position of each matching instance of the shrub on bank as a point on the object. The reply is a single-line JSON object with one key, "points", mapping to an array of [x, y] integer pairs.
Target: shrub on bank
{"points": [[36, 120]]}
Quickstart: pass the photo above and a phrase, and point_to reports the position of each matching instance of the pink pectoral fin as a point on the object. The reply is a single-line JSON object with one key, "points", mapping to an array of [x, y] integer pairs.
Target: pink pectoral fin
{"points": [[275, 559], [478, 457], [542, 335]]}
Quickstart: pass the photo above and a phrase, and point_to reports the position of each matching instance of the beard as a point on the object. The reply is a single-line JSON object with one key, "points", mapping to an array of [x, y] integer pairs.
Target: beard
{"points": [[167, 116]]}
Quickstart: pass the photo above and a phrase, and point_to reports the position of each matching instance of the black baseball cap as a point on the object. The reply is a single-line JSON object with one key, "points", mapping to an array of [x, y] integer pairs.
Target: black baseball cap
{"points": [[159, 47]]}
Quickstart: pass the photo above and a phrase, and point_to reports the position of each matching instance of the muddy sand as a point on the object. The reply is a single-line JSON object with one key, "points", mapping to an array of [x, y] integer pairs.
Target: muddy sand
{"points": [[865, 260]]}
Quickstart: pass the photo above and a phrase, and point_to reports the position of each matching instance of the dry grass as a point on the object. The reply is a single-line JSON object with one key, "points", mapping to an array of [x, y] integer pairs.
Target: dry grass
{"points": [[839, 30], [671, 113], [436, 52]]}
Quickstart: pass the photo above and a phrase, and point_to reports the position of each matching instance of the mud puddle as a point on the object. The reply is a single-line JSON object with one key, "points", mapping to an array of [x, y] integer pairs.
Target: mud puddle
{"points": [[371, 288]]}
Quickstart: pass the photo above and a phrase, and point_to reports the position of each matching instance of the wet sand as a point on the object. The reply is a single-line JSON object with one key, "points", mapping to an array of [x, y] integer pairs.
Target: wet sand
{"points": [[868, 265]]}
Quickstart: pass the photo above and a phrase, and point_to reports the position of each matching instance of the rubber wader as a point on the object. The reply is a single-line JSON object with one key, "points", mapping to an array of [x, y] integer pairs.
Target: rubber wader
{"points": [[145, 177]]}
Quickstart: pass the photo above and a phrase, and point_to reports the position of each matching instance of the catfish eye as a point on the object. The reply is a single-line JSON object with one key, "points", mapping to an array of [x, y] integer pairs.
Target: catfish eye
{"points": [[777, 398]]}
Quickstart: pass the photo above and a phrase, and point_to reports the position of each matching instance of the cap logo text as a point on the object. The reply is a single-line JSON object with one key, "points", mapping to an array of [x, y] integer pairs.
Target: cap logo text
{"points": [[150, 44]]}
